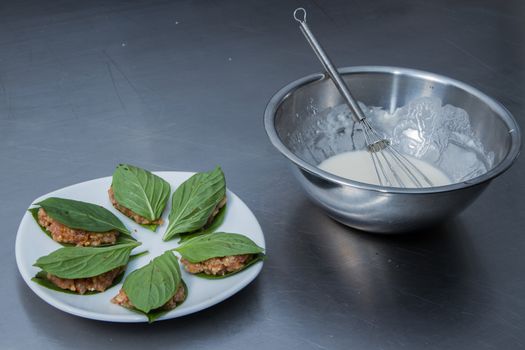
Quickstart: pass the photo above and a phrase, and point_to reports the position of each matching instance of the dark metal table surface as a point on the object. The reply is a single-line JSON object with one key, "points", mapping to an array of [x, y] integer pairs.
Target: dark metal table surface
{"points": [[182, 85]]}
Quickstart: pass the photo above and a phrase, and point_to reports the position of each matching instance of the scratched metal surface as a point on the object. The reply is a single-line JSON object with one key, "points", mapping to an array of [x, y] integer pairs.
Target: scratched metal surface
{"points": [[182, 85]]}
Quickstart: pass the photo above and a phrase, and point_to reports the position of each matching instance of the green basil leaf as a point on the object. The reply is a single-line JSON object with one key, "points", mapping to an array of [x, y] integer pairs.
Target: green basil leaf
{"points": [[153, 315], [194, 201], [138, 255], [84, 262], [151, 227], [217, 222], [152, 285], [256, 259], [216, 245], [81, 215], [140, 191], [123, 239], [41, 279]]}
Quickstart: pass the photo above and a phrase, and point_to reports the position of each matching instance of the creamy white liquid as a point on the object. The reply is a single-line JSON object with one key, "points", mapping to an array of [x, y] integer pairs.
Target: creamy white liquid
{"points": [[358, 166]]}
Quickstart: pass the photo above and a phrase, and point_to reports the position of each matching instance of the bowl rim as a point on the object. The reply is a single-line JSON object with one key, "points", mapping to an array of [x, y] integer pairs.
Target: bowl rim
{"points": [[280, 96]]}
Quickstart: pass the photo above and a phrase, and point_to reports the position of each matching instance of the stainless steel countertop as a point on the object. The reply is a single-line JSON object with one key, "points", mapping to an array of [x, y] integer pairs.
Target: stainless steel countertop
{"points": [[182, 85]]}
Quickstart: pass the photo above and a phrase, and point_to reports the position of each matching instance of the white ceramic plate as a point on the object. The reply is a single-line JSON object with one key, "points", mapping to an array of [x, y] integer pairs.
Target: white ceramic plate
{"points": [[32, 243]]}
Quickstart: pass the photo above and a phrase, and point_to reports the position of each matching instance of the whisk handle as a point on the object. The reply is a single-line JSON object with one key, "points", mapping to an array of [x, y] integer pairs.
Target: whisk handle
{"points": [[300, 16]]}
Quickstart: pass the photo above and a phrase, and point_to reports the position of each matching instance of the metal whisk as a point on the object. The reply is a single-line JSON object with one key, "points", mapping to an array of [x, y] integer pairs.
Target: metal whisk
{"points": [[392, 168]]}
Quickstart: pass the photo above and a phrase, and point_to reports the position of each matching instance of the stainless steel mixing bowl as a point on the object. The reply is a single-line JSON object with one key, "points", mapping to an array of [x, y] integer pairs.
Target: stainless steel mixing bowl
{"points": [[386, 209]]}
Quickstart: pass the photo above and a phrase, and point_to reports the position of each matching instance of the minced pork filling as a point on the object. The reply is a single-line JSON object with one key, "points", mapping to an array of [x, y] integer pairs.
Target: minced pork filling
{"points": [[82, 285], [63, 234], [218, 266]]}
